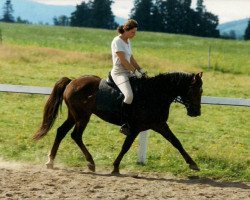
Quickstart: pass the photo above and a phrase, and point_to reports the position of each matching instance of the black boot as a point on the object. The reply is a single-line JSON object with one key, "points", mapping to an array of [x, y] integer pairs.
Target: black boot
{"points": [[125, 114]]}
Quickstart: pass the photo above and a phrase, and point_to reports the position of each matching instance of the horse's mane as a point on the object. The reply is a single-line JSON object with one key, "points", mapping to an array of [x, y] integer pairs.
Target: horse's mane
{"points": [[169, 79]]}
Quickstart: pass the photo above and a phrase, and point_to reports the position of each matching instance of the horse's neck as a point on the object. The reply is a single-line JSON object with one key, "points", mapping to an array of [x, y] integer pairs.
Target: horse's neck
{"points": [[169, 86]]}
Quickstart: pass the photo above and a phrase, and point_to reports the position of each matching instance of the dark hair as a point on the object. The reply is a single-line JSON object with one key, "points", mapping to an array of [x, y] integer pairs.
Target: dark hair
{"points": [[130, 24]]}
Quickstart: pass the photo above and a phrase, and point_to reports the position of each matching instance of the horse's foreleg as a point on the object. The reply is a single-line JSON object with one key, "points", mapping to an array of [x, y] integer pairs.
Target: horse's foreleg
{"points": [[125, 147], [77, 137], [165, 131], [61, 132]]}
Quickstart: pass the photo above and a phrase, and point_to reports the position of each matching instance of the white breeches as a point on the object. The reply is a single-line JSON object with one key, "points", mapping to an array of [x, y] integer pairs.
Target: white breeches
{"points": [[122, 81]]}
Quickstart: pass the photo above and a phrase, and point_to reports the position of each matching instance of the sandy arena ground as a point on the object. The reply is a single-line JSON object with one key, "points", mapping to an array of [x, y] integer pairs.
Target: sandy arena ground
{"points": [[23, 181]]}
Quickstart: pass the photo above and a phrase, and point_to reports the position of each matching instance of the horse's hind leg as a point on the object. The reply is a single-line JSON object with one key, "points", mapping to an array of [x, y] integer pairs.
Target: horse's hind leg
{"points": [[77, 137], [61, 132]]}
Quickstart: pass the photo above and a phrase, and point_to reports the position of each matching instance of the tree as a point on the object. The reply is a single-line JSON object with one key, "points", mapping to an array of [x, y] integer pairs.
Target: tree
{"points": [[200, 8], [232, 34], [205, 22], [102, 14], [7, 12], [186, 17], [82, 16], [62, 20], [172, 16], [21, 21], [157, 19], [210, 22], [142, 13], [148, 13], [94, 13], [175, 16], [247, 31]]}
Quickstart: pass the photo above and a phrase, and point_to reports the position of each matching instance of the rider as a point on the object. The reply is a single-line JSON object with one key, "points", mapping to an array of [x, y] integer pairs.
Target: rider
{"points": [[124, 65]]}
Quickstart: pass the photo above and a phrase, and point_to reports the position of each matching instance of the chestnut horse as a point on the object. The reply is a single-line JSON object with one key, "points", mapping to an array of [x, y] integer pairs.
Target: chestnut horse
{"points": [[149, 112]]}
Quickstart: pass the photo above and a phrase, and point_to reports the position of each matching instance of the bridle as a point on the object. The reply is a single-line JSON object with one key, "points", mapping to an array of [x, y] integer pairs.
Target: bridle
{"points": [[178, 99], [186, 101]]}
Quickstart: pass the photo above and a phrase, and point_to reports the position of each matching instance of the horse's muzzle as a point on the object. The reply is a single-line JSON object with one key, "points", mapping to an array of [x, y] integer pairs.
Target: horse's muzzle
{"points": [[194, 112]]}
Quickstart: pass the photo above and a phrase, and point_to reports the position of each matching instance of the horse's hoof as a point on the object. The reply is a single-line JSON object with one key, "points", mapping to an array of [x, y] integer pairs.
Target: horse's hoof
{"points": [[194, 167], [115, 172], [91, 167], [49, 166]]}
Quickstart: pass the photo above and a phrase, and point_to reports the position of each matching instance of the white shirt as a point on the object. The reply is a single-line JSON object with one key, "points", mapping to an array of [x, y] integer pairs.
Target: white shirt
{"points": [[119, 45]]}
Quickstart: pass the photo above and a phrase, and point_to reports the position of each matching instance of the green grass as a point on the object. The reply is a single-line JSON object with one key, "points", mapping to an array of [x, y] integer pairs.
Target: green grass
{"points": [[226, 56], [219, 140]]}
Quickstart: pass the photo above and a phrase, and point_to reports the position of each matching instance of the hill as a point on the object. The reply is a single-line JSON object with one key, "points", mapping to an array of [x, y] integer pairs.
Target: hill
{"points": [[37, 13], [239, 26]]}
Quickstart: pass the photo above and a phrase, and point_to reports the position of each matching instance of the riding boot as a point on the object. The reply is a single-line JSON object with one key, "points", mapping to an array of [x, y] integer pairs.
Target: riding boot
{"points": [[125, 114]]}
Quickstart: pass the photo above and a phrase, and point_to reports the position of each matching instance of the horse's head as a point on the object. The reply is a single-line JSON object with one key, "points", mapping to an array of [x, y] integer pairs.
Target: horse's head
{"points": [[192, 97]]}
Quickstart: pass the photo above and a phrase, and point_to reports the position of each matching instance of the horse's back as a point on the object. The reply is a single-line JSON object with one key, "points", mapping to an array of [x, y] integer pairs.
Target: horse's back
{"points": [[81, 89]]}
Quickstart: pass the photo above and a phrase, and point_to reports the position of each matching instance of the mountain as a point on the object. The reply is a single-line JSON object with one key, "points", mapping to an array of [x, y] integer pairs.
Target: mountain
{"points": [[37, 13], [120, 20], [238, 26]]}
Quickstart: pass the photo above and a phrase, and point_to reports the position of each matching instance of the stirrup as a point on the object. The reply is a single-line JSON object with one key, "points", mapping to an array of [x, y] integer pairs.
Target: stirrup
{"points": [[125, 129]]}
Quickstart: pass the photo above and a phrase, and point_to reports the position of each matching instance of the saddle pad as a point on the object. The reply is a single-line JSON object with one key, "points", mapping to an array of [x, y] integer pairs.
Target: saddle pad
{"points": [[108, 98]]}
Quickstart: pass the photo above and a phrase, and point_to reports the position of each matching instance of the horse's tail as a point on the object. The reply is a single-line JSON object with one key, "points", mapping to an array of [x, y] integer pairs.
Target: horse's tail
{"points": [[51, 107]]}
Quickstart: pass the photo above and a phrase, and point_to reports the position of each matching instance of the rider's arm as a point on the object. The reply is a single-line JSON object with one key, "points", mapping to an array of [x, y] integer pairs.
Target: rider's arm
{"points": [[124, 62], [134, 63]]}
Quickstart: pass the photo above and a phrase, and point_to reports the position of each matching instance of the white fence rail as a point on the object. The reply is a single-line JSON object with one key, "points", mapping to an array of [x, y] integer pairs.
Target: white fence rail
{"points": [[143, 137], [47, 90], [24, 89]]}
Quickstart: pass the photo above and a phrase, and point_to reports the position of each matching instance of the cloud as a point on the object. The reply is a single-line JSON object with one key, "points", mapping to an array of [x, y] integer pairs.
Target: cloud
{"points": [[229, 10], [60, 2], [122, 8]]}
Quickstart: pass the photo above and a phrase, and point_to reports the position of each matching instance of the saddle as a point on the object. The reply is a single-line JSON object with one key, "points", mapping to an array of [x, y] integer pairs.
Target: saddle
{"points": [[109, 97]]}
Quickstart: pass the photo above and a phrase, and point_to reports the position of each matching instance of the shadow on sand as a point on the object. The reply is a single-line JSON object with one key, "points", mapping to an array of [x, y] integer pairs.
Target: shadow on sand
{"points": [[190, 180]]}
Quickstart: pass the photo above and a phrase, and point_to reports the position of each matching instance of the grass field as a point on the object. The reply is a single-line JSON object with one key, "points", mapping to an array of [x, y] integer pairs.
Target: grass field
{"points": [[219, 140]]}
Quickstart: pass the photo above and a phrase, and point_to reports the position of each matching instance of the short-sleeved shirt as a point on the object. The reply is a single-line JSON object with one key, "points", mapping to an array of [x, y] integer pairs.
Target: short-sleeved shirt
{"points": [[119, 45]]}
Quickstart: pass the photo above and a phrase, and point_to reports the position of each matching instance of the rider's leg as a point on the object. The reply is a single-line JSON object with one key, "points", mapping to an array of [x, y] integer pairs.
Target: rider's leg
{"points": [[122, 81], [126, 104]]}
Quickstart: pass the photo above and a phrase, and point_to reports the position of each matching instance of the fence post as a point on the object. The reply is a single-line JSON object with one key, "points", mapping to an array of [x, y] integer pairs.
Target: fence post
{"points": [[1, 37], [142, 148], [209, 55]]}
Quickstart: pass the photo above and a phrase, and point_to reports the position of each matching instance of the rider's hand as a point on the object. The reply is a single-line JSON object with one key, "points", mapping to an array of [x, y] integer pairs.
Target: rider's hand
{"points": [[138, 74], [144, 74]]}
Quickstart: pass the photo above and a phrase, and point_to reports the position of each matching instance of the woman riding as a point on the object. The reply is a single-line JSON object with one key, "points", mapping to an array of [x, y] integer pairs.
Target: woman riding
{"points": [[125, 66]]}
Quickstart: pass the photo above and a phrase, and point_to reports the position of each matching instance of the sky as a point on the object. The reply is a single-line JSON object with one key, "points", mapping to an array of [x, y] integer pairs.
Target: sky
{"points": [[227, 10]]}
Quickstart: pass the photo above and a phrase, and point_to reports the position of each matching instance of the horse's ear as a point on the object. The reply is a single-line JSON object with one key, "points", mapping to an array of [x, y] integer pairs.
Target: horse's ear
{"points": [[200, 74], [197, 77]]}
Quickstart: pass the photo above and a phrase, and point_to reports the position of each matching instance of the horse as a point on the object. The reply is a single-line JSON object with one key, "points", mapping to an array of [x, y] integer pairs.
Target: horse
{"points": [[149, 111]]}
